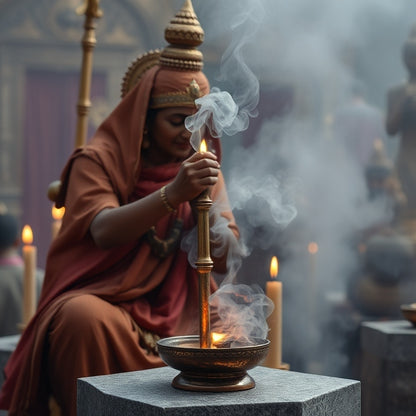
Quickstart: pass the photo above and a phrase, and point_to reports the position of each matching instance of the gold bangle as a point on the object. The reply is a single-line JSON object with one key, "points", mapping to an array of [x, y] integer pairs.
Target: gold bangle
{"points": [[164, 199]]}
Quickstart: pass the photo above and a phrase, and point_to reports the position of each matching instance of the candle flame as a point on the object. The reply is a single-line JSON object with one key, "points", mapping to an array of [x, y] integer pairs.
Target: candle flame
{"points": [[274, 267], [57, 213], [27, 235], [203, 146], [313, 247], [217, 337]]}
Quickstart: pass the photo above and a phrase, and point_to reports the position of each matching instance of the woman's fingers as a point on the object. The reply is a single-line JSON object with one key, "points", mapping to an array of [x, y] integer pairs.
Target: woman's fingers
{"points": [[202, 156], [196, 174], [202, 170]]}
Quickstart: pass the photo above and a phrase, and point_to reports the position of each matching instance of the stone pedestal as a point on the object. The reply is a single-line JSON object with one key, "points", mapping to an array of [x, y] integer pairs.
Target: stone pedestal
{"points": [[277, 392], [388, 368], [7, 346]]}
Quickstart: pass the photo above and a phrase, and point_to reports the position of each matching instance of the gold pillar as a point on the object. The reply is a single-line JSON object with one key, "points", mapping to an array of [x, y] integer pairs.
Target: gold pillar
{"points": [[92, 11]]}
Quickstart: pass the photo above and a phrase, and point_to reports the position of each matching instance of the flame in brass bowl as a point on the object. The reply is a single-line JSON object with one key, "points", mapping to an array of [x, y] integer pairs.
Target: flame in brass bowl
{"points": [[211, 369]]}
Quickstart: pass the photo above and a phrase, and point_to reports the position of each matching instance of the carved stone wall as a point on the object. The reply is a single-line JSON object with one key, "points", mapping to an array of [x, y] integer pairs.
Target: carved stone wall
{"points": [[46, 35]]}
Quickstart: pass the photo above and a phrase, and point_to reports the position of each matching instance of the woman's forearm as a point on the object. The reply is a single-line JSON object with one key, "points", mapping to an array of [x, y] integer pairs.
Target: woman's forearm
{"points": [[116, 226]]}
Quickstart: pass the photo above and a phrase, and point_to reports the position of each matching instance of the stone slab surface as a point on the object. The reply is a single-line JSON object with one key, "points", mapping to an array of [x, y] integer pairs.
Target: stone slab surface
{"points": [[388, 368], [7, 346], [277, 392], [394, 340]]}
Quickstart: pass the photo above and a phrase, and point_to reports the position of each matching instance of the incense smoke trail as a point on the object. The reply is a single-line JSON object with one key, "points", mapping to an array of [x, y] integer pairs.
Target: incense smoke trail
{"points": [[228, 114], [242, 313], [220, 111]]}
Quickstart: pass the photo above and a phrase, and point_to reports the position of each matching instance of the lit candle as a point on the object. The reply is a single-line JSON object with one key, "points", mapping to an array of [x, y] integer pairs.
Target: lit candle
{"points": [[274, 321], [57, 214], [29, 281], [313, 250]]}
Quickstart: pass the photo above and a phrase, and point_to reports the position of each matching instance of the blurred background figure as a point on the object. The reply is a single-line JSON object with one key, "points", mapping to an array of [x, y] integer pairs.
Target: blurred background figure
{"points": [[358, 125], [386, 255], [401, 120], [383, 183], [11, 275]]}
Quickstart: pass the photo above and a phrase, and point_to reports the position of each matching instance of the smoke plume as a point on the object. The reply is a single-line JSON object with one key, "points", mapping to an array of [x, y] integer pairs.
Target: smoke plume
{"points": [[295, 184]]}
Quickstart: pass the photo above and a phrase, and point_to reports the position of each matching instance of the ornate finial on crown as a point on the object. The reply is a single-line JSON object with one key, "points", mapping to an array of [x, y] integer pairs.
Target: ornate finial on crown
{"points": [[184, 34]]}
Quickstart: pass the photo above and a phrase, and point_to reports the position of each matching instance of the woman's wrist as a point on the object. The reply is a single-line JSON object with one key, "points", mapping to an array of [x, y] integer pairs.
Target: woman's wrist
{"points": [[165, 200]]}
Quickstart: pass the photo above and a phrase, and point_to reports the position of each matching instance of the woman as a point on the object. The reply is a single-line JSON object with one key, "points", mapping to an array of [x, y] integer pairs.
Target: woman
{"points": [[116, 278]]}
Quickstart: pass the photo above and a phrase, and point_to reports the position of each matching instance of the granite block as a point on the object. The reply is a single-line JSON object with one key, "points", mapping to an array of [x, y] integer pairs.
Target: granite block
{"points": [[277, 392], [394, 340], [388, 368], [7, 346]]}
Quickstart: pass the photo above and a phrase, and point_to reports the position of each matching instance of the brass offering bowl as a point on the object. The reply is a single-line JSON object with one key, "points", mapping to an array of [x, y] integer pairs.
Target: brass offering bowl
{"points": [[211, 369], [409, 312]]}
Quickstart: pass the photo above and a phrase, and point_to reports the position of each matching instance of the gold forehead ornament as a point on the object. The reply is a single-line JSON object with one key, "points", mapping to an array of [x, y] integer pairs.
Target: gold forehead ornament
{"points": [[181, 98]]}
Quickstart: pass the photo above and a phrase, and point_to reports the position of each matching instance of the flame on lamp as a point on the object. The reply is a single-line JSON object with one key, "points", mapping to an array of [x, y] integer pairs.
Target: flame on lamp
{"points": [[274, 267], [27, 235], [57, 213], [313, 247], [217, 337], [203, 146]]}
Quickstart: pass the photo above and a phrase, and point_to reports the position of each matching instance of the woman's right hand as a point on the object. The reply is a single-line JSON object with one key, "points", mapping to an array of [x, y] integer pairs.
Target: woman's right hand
{"points": [[196, 174], [127, 223]]}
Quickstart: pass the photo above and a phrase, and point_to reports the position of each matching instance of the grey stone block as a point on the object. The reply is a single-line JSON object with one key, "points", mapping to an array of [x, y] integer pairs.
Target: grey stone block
{"points": [[388, 368], [395, 340], [277, 392], [7, 346]]}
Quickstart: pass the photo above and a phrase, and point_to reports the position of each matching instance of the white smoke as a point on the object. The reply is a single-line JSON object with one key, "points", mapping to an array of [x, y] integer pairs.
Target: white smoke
{"points": [[225, 113], [241, 313], [293, 185], [220, 111]]}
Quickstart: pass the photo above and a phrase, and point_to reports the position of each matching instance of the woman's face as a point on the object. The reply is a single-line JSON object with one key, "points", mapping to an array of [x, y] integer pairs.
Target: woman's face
{"points": [[169, 139]]}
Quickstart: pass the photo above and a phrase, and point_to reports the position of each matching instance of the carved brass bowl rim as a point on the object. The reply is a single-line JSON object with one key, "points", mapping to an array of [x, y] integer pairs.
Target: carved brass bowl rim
{"points": [[183, 353], [409, 312]]}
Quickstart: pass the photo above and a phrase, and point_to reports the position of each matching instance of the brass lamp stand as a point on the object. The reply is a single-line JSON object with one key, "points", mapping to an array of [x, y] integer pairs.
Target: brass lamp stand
{"points": [[205, 367], [204, 266]]}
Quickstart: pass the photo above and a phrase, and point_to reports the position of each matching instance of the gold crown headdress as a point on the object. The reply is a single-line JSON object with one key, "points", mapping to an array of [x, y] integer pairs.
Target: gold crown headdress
{"points": [[184, 34]]}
